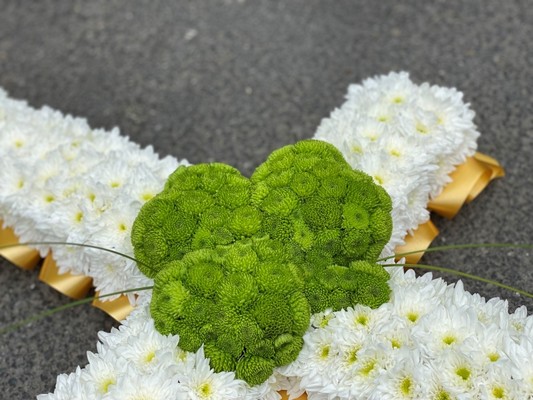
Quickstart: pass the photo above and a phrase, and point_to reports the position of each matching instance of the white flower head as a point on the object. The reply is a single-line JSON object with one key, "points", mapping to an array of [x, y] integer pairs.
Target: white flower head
{"points": [[203, 383]]}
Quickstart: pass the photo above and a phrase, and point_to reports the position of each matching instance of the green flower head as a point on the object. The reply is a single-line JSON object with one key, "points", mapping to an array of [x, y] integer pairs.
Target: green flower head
{"points": [[245, 306]]}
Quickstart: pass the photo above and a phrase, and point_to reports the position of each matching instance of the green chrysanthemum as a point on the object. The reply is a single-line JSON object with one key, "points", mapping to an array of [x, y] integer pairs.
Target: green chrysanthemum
{"points": [[246, 305], [338, 215], [339, 287], [202, 206]]}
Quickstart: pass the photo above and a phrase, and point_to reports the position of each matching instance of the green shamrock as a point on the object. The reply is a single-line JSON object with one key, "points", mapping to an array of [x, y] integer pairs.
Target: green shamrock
{"points": [[239, 264]]}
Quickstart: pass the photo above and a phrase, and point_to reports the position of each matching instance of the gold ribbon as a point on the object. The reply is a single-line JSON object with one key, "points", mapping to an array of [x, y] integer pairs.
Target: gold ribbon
{"points": [[77, 287], [22, 256], [73, 286], [468, 181], [118, 308], [420, 240]]}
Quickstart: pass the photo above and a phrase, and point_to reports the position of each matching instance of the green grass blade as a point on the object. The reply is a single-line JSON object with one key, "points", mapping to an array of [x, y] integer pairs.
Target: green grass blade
{"points": [[90, 246], [36, 317], [463, 274], [461, 246]]}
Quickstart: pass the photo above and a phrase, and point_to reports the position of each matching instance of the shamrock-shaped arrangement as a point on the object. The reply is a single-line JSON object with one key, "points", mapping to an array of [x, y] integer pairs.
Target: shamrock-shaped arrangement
{"points": [[240, 264]]}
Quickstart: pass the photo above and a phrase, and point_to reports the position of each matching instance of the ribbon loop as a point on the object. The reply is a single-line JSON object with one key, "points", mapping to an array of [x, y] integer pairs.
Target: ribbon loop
{"points": [[419, 240], [73, 286], [118, 308], [468, 181]]}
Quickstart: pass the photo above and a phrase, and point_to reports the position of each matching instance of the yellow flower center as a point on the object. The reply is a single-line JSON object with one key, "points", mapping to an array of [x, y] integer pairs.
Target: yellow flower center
{"points": [[421, 128], [442, 395], [379, 180], [395, 153], [398, 99], [412, 316], [449, 339], [351, 356], [104, 385], [406, 385], [205, 390], [368, 367], [498, 392], [149, 357], [324, 321], [361, 319], [463, 372], [324, 351], [147, 196]]}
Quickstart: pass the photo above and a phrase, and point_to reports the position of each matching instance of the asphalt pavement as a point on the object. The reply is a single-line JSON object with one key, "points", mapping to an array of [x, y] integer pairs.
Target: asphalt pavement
{"points": [[230, 81]]}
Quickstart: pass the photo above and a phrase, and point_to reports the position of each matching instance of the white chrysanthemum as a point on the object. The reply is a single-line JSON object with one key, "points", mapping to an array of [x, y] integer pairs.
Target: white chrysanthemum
{"points": [[143, 184], [115, 273], [367, 371], [203, 383], [416, 300], [408, 378], [103, 371], [488, 344], [517, 322], [160, 385], [316, 356], [444, 328], [498, 383], [459, 374], [394, 332], [494, 310], [356, 318], [145, 350]]}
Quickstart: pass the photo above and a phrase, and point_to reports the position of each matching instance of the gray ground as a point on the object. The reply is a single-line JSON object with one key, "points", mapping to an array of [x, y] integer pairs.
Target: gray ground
{"points": [[231, 81]]}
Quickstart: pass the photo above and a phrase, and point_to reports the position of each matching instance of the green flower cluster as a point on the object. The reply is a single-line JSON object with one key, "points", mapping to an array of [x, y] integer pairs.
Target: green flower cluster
{"points": [[202, 206], [244, 303], [240, 263], [306, 196], [314, 202]]}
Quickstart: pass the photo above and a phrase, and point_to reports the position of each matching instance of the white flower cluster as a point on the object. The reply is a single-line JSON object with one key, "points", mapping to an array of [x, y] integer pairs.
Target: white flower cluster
{"points": [[62, 181], [136, 362], [407, 137], [431, 341]]}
